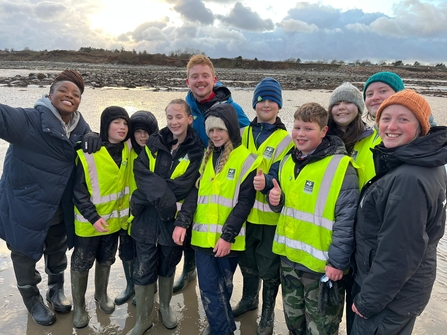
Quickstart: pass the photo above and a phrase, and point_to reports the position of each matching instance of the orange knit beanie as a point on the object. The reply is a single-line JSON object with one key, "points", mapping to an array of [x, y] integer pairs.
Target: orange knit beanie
{"points": [[414, 102]]}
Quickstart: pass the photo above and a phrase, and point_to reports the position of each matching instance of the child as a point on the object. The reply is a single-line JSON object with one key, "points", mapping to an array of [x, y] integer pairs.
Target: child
{"points": [[204, 92], [143, 124], [314, 236], [101, 196], [36, 189], [400, 218], [267, 137], [165, 171], [345, 121], [222, 202]]}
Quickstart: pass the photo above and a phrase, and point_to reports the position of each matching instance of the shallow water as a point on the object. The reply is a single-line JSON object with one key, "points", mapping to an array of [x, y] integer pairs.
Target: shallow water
{"points": [[14, 318]]}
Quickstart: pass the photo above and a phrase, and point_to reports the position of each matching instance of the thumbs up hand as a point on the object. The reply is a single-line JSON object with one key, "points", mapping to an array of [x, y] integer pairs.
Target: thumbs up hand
{"points": [[275, 194], [259, 181]]}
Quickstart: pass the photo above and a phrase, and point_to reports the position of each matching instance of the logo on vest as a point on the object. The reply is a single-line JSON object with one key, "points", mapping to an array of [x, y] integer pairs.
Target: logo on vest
{"points": [[268, 152], [231, 174], [309, 186], [354, 154]]}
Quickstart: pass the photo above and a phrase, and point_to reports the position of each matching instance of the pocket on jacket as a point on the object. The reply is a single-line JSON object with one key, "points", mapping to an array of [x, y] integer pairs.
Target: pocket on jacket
{"points": [[27, 190]]}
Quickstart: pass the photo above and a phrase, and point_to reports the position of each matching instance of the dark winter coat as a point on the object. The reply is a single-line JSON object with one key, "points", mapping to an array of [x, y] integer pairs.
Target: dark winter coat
{"points": [[342, 245], [247, 193], [154, 202], [198, 110], [400, 219], [38, 174]]}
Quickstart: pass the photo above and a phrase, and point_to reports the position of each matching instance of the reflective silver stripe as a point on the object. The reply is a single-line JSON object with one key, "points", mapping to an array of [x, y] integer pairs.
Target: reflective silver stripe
{"points": [[298, 245], [215, 199], [247, 165], [282, 146], [326, 184], [307, 217], [91, 165], [113, 215], [111, 197], [259, 205], [212, 228]]}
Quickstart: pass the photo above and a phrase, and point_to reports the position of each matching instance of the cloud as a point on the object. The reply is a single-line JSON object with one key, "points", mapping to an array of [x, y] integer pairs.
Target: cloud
{"points": [[194, 11], [291, 25], [245, 18]]}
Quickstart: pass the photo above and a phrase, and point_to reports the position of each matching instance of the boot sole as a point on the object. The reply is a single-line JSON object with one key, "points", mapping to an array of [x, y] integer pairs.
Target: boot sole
{"points": [[63, 310], [238, 314], [44, 323]]}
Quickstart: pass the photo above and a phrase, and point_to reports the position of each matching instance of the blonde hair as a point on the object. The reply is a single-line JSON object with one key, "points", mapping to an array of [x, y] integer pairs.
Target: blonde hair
{"points": [[181, 102], [228, 148], [200, 59]]}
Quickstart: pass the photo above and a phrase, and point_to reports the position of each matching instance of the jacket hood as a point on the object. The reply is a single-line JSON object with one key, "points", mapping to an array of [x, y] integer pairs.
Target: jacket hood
{"points": [[227, 113], [142, 120], [428, 151], [74, 120]]}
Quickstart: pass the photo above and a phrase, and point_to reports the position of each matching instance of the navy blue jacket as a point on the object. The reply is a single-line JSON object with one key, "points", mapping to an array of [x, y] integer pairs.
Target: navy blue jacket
{"points": [[37, 174]]}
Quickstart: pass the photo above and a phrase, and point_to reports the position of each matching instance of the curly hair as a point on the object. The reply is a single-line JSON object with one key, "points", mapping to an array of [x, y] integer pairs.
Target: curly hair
{"points": [[69, 75]]}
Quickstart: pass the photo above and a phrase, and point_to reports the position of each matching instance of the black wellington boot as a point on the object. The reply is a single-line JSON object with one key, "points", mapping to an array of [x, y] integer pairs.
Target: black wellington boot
{"points": [[269, 292], [189, 270], [40, 313], [55, 294], [129, 290], [250, 296]]}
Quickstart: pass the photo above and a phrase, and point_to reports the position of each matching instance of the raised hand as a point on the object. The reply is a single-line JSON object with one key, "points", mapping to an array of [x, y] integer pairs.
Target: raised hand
{"points": [[259, 181], [275, 194]]}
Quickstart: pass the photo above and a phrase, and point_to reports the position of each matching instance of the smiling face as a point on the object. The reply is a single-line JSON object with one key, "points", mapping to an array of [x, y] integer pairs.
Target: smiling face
{"points": [[307, 136], [141, 137], [66, 98], [267, 111], [343, 113], [117, 132], [201, 81], [218, 136], [178, 121], [375, 94], [398, 126]]}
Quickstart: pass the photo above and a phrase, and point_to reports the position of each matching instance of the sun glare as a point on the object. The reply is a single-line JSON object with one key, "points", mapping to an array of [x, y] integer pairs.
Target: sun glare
{"points": [[117, 17]]}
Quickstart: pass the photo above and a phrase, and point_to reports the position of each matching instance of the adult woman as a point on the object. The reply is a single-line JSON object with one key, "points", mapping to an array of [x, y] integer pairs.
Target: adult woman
{"points": [[400, 218]]}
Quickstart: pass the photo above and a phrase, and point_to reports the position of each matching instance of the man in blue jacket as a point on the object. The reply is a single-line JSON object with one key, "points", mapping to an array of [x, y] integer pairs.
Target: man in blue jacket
{"points": [[36, 190], [204, 92]]}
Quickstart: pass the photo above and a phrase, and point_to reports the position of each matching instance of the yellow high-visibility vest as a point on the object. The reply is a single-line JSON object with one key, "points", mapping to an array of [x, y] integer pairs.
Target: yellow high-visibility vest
{"points": [[109, 191], [218, 195], [363, 157], [272, 150], [304, 230]]}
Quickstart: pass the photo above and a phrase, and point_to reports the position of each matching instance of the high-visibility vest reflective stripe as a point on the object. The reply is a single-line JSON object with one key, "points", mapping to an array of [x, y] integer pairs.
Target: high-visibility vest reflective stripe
{"points": [[109, 191], [363, 157], [218, 195], [179, 170], [304, 230], [272, 150]]}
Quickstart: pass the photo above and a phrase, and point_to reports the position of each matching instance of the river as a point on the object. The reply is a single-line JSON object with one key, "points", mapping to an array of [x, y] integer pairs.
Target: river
{"points": [[14, 318]]}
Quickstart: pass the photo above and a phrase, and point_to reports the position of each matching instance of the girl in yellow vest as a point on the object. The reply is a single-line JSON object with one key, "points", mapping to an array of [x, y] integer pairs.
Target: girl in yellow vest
{"points": [[222, 202], [143, 125], [346, 108], [101, 198], [165, 171], [317, 202]]}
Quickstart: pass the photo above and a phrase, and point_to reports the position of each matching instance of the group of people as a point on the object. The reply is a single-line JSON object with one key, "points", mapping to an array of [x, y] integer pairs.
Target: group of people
{"points": [[335, 206]]}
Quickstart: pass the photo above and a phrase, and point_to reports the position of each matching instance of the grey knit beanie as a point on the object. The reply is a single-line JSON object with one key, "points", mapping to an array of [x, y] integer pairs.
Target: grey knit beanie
{"points": [[347, 92]]}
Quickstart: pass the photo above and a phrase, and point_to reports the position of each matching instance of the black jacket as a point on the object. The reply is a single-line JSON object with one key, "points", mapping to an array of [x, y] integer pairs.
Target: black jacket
{"points": [[154, 202], [342, 245], [400, 219]]}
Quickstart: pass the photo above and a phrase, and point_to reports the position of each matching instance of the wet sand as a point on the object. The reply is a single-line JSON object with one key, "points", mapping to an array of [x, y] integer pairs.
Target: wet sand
{"points": [[14, 318]]}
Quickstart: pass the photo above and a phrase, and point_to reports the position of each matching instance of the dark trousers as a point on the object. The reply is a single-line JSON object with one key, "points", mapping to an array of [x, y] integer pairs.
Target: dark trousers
{"points": [[54, 251], [216, 286], [88, 249], [126, 249], [385, 322], [155, 260], [258, 258]]}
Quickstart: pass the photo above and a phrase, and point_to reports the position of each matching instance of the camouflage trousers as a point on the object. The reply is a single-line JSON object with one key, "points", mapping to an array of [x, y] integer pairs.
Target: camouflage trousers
{"points": [[300, 291]]}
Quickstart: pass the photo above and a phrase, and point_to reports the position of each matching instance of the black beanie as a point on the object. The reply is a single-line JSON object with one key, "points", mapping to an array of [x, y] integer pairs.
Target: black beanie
{"points": [[108, 115], [144, 120]]}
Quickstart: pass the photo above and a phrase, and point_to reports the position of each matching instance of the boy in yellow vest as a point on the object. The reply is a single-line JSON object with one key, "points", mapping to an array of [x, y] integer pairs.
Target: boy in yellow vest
{"points": [[101, 197], [314, 237], [267, 137]]}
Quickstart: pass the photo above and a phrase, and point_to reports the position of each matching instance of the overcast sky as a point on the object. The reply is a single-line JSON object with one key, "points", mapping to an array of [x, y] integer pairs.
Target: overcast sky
{"points": [[377, 30]]}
